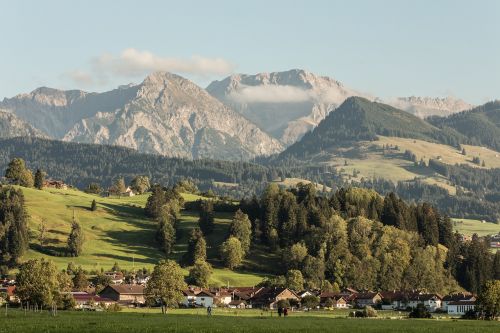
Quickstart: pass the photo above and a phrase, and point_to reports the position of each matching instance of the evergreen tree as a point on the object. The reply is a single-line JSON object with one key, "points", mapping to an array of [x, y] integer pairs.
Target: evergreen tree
{"points": [[241, 228], [93, 206], [14, 236], [166, 230], [39, 179], [80, 281], [206, 220], [197, 248], [75, 239], [155, 201]]}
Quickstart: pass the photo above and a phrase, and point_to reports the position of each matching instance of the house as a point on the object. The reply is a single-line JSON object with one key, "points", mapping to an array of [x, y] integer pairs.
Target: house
{"points": [[392, 300], [222, 297], [237, 304], [367, 299], [459, 297], [336, 300], [130, 294], [460, 307], [85, 300], [128, 192], [58, 184], [431, 301], [269, 297], [9, 291], [205, 298], [116, 277], [189, 299]]}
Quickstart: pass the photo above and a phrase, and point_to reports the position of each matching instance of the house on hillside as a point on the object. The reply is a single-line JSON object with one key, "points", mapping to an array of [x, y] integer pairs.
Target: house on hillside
{"points": [[58, 184], [128, 192], [269, 297], [127, 294], [367, 299]]}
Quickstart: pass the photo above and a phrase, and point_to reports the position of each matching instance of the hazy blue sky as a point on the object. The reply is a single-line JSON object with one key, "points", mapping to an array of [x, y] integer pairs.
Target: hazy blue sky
{"points": [[386, 48]]}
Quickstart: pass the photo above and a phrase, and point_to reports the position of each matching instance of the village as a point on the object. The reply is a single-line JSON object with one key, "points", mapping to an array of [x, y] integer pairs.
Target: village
{"points": [[119, 294]]}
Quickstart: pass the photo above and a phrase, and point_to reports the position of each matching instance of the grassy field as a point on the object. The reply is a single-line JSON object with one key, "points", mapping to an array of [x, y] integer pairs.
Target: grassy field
{"points": [[371, 161], [469, 227], [17, 321], [117, 232]]}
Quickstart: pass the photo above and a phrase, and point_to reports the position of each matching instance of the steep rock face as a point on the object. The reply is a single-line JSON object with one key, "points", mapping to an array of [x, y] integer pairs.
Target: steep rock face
{"points": [[430, 106], [285, 104], [172, 116], [11, 126], [56, 111]]}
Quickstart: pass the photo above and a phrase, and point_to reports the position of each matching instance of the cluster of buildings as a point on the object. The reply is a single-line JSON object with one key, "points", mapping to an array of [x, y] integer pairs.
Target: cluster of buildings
{"points": [[128, 295]]}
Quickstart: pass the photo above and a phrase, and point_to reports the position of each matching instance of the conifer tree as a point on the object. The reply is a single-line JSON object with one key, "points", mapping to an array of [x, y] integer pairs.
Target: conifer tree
{"points": [[39, 179]]}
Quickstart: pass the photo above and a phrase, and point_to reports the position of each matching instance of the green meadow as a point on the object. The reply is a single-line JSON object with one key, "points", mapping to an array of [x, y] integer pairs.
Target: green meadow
{"points": [[120, 232], [66, 322]]}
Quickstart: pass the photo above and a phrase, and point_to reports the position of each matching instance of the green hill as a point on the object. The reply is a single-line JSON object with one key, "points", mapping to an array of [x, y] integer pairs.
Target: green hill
{"points": [[358, 119], [480, 125], [117, 232]]}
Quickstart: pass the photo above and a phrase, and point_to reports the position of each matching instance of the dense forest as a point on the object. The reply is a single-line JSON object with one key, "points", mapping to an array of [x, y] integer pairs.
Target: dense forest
{"points": [[480, 125], [83, 164], [351, 238]]}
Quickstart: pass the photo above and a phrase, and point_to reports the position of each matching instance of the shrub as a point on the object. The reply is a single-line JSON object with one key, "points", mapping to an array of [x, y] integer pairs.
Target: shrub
{"points": [[369, 312], [420, 312]]}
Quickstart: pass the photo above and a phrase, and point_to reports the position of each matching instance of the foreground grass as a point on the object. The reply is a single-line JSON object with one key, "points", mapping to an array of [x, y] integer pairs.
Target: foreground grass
{"points": [[18, 322]]}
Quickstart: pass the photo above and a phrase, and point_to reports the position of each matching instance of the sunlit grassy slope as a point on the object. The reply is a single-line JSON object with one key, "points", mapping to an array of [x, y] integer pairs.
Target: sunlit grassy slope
{"points": [[470, 227], [118, 232], [370, 160]]}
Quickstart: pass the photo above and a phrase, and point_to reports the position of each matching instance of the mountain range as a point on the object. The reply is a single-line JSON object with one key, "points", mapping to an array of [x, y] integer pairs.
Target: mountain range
{"points": [[165, 114], [240, 117]]}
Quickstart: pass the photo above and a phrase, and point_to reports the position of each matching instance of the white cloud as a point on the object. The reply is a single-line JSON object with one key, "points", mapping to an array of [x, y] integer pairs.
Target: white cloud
{"points": [[287, 94], [270, 94], [132, 63]]}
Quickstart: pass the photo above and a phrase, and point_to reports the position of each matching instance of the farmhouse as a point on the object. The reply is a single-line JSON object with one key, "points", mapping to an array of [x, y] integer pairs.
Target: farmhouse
{"points": [[130, 294], [269, 297], [367, 299], [58, 184], [85, 300], [334, 300], [460, 307], [189, 298], [205, 298], [431, 301], [237, 304]]}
